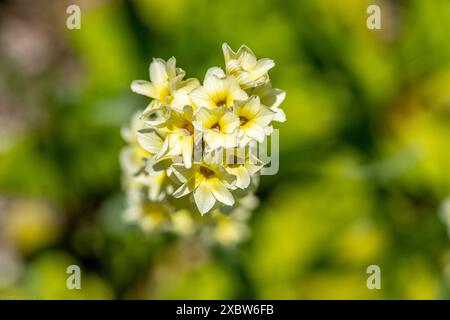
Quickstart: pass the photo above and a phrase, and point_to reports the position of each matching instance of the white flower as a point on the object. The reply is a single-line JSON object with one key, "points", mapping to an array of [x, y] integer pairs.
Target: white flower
{"points": [[217, 91], [243, 64]]}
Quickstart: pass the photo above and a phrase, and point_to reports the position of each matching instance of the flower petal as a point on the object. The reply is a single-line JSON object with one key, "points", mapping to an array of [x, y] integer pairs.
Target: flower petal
{"points": [[188, 144], [185, 188], [246, 57], [204, 198], [201, 98], [158, 73], [145, 88], [254, 131], [251, 108], [228, 53], [229, 122], [220, 192], [149, 140], [261, 68], [215, 71]]}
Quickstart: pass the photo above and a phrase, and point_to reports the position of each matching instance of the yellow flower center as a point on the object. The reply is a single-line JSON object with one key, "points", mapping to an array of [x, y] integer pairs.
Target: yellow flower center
{"points": [[206, 172], [189, 127], [243, 120], [216, 127]]}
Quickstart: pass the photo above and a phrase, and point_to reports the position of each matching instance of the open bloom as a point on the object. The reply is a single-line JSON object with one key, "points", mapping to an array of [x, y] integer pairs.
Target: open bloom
{"points": [[254, 119], [219, 127], [208, 181], [218, 90], [166, 85], [243, 64], [180, 134]]}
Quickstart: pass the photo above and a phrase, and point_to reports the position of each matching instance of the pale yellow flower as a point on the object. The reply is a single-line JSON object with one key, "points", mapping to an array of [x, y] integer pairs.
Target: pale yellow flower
{"points": [[208, 181], [161, 74], [243, 64], [218, 126], [166, 84], [180, 134], [254, 119], [218, 90]]}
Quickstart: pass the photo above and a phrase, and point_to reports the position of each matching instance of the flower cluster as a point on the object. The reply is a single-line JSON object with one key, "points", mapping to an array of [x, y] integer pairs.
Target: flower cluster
{"points": [[192, 149]]}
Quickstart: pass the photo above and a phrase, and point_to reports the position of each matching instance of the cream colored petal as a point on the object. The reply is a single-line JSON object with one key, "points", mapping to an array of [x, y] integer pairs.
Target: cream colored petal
{"points": [[145, 88], [254, 131], [149, 140], [228, 53], [175, 82], [204, 198], [215, 86], [261, 68], [182, 173], [220, 192], [233, 67], [185, 188], [251, 108], [228, 179], [268, 130], [171, 69], [201, 98], [264, 116], [155, 166], [181, 95], [214, 140], [242, 177], [246, 57], [236, 92], [229, 140], [175, 144], [206, 117], [253, 168], [189, 84], [164, 149], [280, 116], [277, 96], [229, 122], [214, 71], [188, 144], [244, 140], [158, 73]]}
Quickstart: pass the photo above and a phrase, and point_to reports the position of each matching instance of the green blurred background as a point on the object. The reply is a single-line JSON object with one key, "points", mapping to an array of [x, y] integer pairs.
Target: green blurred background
{"points": [[364, 162]]}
